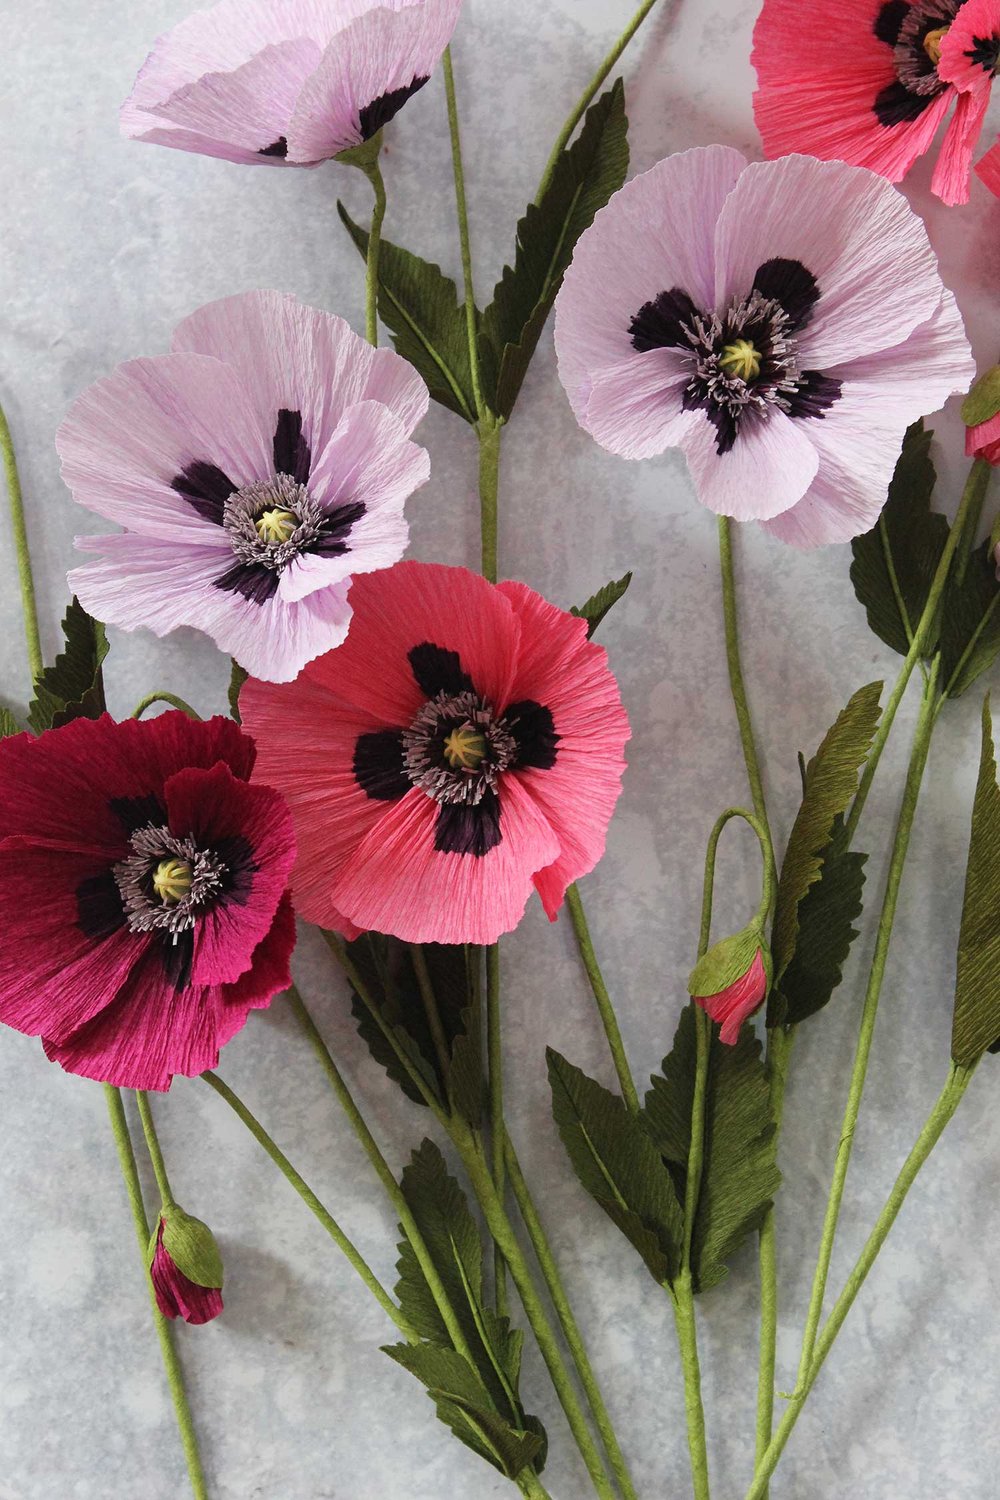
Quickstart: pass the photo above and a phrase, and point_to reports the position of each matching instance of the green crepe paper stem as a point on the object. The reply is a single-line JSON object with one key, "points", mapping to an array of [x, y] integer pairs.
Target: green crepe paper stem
{"points": [[777, 1059], [736, 682], [171, 699], [462, 210], [171, 1364], [605, 1007], [489, 430], [901, 840], [315, 1207], [942, 1112], [431, 1012], [498, 1130], [153, 1147], [682, 1299], [29, 606], [567, 1321], [966, 521], [589, 93], [384, 1173], [373, 172]]}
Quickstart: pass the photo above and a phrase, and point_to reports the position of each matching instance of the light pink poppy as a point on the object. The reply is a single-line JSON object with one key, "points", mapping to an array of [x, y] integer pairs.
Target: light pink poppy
{"points": [[463, 744], [286, 82], [256, 468], [864, 81], [781, 322]]}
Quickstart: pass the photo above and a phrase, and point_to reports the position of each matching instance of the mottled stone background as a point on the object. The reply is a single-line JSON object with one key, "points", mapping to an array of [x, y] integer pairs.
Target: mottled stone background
{"points": [[103, 247]]}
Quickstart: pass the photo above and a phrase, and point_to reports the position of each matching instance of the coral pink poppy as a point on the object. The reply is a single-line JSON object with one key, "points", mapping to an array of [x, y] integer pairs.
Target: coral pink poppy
{"points": [[463, 744], [142, 894], [256, 468], [275, 82], [731, 1006], [970, 60], [864, 81], [781, 322], [185, 1267]]}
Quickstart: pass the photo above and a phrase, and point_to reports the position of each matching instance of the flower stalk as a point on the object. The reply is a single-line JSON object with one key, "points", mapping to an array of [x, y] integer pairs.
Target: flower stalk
{"points": [[15, 498]]}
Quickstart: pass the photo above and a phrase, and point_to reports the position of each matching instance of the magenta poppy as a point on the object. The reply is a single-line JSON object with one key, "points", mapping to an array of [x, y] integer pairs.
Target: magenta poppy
{"points": [[256, 468], [275, 82], [142, 894], [464, 744], [781, 322], [866, 81]]}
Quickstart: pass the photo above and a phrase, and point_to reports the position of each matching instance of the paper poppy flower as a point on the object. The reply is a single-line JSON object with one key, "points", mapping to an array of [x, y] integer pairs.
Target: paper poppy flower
{"points": [[275, 82], [255, 469], [782, 323], [970, 60], [185, 1267], [863, 81], [463, 744], [142, 894]]}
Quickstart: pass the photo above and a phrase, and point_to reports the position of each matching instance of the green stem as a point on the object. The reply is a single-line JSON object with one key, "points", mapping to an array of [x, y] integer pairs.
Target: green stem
{"points": [[431, 1011], [315, 1207], [736, 682], [171, 1364], [529, 1484], [904, 826], [169, 698], [588, 94], [29, 607], [489, 430], [682, 1298], [153, 1147], [567, 1321], [779, 1046], [945, 1107], [498, 1130], [373, 172], [458, 171], [605, 1007], [503, 1234]]}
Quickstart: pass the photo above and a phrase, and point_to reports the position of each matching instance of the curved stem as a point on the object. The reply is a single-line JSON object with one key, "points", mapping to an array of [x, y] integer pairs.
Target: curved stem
{"points": [[315, 1207], [904, 826], [171, 699], [29, 606], [582, 105], [945, 1107], [461, 206], [736, 682], [605, 1007], [567, 1321], [498, 1130], [153, 1147], [373, 172], [171, 1364]]}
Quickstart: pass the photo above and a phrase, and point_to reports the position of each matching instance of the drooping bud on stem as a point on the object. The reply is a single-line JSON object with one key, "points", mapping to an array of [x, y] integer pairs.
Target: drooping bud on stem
{"points": [[185, 1267], [731, 981]]}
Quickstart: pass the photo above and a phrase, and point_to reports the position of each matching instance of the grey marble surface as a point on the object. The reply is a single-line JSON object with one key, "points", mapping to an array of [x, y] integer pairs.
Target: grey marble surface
{"points": [[103, 247]]}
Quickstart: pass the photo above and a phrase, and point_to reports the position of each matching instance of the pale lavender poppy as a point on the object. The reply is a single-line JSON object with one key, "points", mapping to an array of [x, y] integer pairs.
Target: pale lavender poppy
{"points": [[256, 468], [274, 82], [782, 323]]}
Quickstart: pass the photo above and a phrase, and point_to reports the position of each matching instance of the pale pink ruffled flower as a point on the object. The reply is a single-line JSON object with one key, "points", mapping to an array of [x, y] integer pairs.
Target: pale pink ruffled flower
{"points": [[273, 82], [256, 469], [781, 322]]}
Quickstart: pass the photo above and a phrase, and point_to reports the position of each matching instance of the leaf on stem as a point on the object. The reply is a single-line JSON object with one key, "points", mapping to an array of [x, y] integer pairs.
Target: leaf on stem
{"points": [[976, 1025], [598, 605], [421, 308], [827, 914], [831, 783], [8, 724], [895, 563], [740, 1173], [970, 626], [617, 1163], [72, 687], [588, 172]]}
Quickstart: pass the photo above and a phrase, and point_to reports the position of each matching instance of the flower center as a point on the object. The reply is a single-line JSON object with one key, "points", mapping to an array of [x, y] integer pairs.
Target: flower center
{"points": [[272, 521], [917, 50], [276, 526], [172, 880], [740, 359], [932, 43], [457, 748]]}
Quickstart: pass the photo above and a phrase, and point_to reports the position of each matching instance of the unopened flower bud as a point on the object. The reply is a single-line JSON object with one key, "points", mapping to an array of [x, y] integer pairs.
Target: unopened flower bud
{"points": [[981, 415], [732, 979], [185, 1267]]}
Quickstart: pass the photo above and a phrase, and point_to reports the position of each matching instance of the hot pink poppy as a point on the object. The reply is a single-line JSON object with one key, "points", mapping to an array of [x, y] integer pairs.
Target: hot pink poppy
{"points": [[256, 468], [463, 744], [970, 60], [142, 894], [737, 1002], [781, 322], [275, 82], [864, 81]]}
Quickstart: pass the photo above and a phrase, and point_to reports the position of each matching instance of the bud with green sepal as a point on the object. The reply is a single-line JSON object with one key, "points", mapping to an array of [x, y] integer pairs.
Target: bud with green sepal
{"points": [[981, 415], [732, 979], [185, 1267]]}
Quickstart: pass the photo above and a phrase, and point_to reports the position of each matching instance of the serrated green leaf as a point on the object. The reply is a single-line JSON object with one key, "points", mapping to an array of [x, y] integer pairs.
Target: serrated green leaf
{"points": [[598, 605], [421, 308], [827, 914], [983, 401], [976, 1024], [618, 1165], [739, 1172], [895, 563], [588, 172], [8, 724], [970, 622], [72, 688], [831, 782]]}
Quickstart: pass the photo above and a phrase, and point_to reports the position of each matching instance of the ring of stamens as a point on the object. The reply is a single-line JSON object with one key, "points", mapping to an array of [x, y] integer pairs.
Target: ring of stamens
{"points": [[456, 749], [744, 360], [166, 882], [272, 521]]}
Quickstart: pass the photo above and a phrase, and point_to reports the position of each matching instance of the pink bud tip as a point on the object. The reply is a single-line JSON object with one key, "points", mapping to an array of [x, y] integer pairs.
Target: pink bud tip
{"points": [[731, 1006], [983, 441]]}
